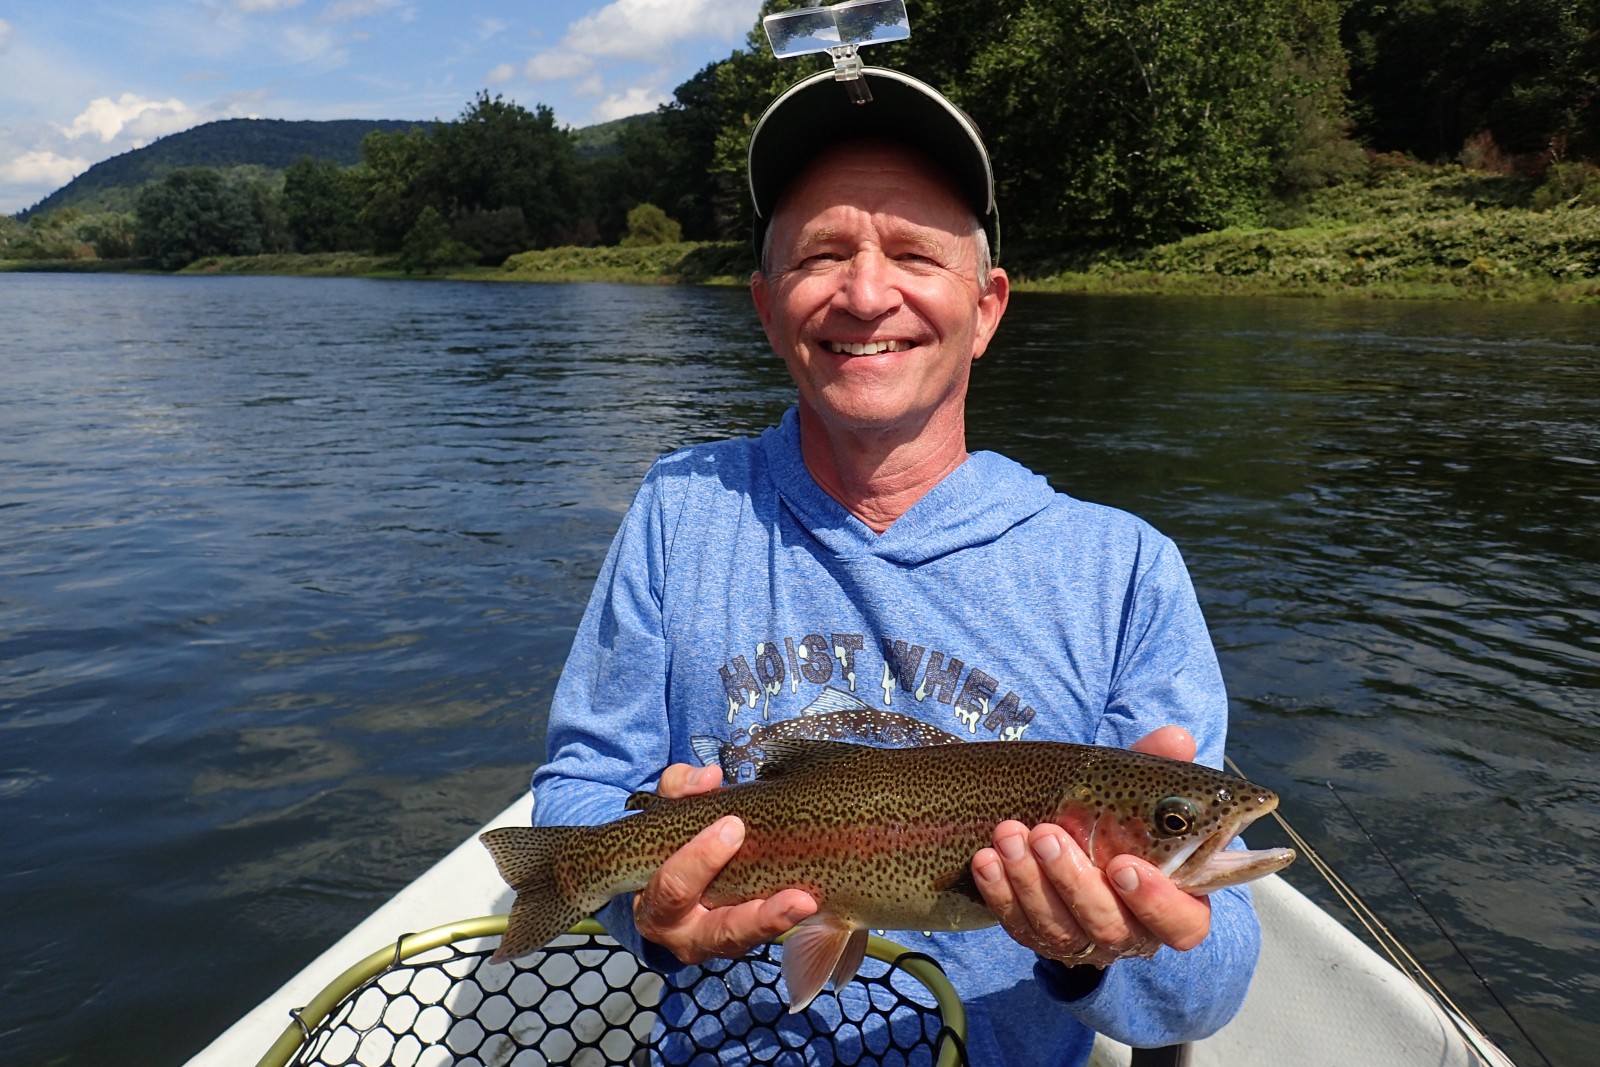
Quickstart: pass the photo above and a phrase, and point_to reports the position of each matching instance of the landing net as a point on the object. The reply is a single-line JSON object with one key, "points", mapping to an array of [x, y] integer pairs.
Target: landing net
{"points": [[433, 999]]}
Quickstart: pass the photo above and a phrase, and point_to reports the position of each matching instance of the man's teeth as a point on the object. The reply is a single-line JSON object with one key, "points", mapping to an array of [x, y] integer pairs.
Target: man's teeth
{"points": [[870, 348]]}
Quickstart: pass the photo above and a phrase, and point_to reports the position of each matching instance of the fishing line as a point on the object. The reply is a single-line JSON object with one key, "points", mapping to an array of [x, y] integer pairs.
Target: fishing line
{"points": [[1437, 924], [1388, 941]]}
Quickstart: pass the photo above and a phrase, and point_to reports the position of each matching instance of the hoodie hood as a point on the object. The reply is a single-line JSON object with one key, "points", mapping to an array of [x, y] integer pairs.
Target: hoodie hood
{"points": [[975, 504]]}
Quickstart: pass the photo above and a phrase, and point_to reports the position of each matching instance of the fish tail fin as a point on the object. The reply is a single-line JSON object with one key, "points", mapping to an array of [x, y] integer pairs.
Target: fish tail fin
{"points": [[819, 951], [526, 858]]}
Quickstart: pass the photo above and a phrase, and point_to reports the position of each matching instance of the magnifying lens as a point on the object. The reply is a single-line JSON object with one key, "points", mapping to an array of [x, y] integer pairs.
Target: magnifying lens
{"points": [[839, 30]]}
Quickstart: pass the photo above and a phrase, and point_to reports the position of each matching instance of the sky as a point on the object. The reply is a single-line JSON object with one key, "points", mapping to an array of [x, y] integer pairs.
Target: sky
{"points": [[84, 80]]}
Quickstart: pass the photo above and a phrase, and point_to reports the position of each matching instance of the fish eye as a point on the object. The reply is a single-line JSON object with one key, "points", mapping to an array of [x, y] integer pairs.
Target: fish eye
{"points": [[1175, 816]]}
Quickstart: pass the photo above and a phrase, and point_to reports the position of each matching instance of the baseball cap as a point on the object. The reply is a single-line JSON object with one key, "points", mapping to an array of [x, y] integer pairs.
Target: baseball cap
{"points": [[817, 112]]}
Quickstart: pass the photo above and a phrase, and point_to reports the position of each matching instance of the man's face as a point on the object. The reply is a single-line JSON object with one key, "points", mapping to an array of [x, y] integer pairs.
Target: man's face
{"points": [[873, 298]]}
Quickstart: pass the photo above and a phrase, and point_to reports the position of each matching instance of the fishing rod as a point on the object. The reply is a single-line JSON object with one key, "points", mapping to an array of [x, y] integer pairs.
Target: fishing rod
{"points": [[1390, 943]]}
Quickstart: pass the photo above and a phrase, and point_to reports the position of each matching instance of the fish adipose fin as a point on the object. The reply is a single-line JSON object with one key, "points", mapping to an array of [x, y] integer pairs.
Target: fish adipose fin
{"points": [[526, 858], [818, 951], [792, 754], [641, 800]]}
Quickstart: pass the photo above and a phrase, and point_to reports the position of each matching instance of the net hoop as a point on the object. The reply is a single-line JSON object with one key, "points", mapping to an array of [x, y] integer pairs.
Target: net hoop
{"points": [[309, 1023]]}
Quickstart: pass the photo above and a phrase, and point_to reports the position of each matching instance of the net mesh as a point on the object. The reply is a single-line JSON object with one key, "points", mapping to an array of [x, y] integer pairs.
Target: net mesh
{"points": [[585, 1001]]}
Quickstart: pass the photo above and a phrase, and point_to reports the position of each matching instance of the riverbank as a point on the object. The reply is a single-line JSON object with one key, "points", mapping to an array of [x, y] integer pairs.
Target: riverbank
{"points": [[1401, 231]]}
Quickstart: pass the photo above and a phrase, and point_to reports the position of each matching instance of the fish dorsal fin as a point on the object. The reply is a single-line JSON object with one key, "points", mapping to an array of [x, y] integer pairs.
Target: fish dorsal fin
{"points": [[792, 755]]}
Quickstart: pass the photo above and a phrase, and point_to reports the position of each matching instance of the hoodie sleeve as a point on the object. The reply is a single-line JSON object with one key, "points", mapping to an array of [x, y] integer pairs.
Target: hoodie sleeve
{"points": [[607, 730], [1167, 673]]}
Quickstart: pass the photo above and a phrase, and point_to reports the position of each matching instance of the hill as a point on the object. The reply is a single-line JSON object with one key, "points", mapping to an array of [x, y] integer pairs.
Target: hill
{"points": [[269, 143]]}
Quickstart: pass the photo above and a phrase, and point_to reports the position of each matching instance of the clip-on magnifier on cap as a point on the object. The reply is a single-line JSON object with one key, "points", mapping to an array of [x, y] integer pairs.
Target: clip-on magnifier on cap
{"points": [[839, 30]]}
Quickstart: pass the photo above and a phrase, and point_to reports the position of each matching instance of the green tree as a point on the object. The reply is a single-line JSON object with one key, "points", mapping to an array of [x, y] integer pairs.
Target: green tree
{"points": [[110, 233], [501, 155], [1426, 75], [192, 213], [649, 225], [491, 235], [322, 204], [394, 179], [429, 246]]}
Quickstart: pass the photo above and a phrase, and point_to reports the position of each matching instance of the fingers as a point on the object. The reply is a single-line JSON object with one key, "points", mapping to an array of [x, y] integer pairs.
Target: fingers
{"points": [[668, 910], [1173, 742], [1017, 878], [1171, 916], [1051, 899], [685, 780]]}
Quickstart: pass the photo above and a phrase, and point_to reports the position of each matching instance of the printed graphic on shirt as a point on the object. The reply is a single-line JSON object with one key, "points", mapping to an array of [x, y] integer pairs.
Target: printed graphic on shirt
{"points": [[833, 716], [841, 662]]}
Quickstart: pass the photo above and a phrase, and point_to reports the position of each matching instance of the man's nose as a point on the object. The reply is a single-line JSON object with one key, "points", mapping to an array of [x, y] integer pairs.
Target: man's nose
{"points": [[869, 289]]}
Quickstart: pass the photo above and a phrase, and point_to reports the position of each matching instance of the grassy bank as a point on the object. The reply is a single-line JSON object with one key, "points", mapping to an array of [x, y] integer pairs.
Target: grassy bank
{"points": [[1412, 232]]}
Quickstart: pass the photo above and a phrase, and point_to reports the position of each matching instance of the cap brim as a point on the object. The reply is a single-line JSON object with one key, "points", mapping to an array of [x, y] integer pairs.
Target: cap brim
{"points": [[817, 112]]}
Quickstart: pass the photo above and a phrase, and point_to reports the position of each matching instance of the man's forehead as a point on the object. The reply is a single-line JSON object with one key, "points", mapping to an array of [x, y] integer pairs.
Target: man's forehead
{"points": [[886, 227]]}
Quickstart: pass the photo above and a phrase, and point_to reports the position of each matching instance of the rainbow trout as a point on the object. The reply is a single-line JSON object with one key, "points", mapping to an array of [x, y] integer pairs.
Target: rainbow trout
{"points": [[884, 838]]}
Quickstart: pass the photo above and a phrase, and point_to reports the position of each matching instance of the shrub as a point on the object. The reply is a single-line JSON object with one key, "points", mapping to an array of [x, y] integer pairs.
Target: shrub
{"points": [[649, 225]]}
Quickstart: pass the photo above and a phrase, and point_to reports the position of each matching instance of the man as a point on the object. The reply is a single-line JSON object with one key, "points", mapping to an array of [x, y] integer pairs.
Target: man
{"points": [[857, 553]]}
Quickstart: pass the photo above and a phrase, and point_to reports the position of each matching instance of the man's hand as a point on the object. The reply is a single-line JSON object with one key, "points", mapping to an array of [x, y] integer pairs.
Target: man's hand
{"points": [[1052, 899], [668, 910]]}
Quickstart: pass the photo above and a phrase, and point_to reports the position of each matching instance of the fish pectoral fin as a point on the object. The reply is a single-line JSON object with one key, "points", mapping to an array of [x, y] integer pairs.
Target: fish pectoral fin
{"points": [[961, 883], [818, 951]]}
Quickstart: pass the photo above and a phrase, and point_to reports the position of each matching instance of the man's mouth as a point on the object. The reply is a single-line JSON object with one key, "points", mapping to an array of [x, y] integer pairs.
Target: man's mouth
{"points": [[867, 348]]}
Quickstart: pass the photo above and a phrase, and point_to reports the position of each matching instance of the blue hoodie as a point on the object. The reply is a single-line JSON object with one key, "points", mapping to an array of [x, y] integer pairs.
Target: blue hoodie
{"points": [[737, 593]]}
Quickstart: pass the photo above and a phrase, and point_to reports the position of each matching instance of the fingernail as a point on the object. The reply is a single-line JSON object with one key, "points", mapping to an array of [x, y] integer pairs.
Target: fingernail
{"points": [[989, 871], [730, 833], [1127, 879], [1047, 848], [1011, 846]]}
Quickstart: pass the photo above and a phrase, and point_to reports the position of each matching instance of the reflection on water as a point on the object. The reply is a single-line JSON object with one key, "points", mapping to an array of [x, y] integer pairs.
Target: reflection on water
{"points": [[288, 567]]}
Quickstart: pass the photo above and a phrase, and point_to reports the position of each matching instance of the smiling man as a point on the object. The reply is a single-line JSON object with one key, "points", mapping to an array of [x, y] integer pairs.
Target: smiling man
{"points": [[856, 561]]}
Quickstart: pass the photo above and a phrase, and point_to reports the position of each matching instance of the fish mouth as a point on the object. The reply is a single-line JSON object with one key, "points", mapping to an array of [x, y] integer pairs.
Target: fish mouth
{"points": [[1208, 864]]}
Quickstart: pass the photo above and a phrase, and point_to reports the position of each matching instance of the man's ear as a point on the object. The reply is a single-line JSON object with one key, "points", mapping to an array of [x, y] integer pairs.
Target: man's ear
{"points": [[991, 308], [760, 294]]}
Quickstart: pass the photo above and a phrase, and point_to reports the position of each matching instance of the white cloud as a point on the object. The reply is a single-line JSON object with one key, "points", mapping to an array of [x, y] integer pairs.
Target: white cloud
{"points": [[42, 169], [644, 29], [5, 34], [631, 102], [304, 44], [629, 31], [556, 66], [131, 116]]}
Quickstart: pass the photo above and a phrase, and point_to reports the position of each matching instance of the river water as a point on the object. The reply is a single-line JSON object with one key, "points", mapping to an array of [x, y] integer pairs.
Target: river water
{"points": [[288, 568]]}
